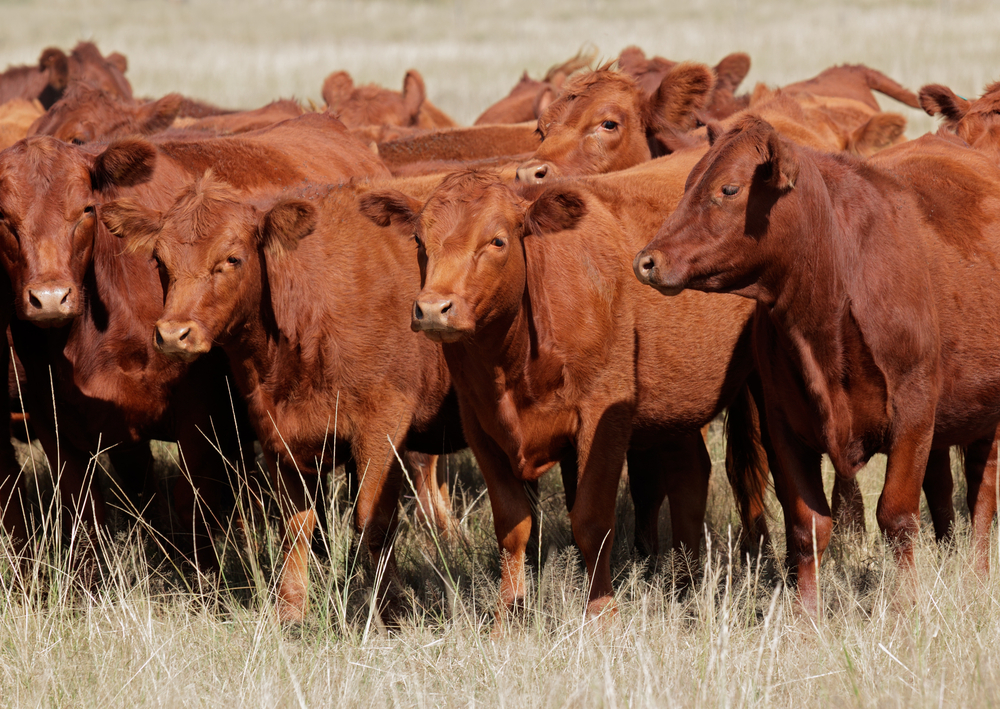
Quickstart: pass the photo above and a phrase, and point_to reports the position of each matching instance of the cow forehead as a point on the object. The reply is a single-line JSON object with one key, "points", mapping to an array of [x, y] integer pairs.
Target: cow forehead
{"points": [[466, 211], [43, 170]]}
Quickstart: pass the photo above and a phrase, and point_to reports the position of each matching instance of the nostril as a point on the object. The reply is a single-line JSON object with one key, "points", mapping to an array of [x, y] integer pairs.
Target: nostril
{"points": [[184, 333], [541, 171], [33, 300], [646, 264], [446, 307], [159, 337], [65, 298], [417, 312]]}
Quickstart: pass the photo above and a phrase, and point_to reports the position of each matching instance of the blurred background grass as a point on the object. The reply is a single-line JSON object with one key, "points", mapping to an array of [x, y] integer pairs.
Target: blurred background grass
{"points": [[246, 53]]}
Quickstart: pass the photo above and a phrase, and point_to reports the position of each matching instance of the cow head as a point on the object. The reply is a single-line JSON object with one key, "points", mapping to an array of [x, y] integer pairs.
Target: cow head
{"points": [[970, 120], [86, 113], [712, 241], [603, 121], [50, 195], [470, 249], [210, 247], [372, 105]]}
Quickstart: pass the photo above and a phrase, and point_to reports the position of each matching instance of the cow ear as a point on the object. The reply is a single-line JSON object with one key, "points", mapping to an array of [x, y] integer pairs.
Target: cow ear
{"points": [[684, 91], [135, 223], [285, 224], [935, 99], [632, 60], [118, 61], [715, 131], [160, 114], [55, 62], [337, 88], [730, 71], [414, 94], [544, 99], [880, 131], [784, 165], [125, 163], [554, 210], [386, 207]]}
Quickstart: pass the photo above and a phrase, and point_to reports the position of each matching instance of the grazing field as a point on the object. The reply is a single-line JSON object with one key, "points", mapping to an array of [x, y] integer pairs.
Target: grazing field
{"points": [[146, 634]]}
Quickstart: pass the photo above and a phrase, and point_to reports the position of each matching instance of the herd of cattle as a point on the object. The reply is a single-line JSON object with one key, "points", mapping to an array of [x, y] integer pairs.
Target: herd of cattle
{"points": [[834, 287]]}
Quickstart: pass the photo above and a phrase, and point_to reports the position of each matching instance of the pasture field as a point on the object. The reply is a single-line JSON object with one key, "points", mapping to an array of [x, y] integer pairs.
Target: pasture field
{"points": [[152, 636]]}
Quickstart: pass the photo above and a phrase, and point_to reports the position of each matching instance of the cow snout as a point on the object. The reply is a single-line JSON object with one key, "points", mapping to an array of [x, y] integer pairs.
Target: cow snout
{"points": [[533, 173], [435, 317], [52, 303], [650, 268], [181, 340]]}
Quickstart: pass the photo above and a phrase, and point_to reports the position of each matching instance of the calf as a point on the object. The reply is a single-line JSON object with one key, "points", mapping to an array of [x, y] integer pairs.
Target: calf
{"points": [[876, 330], [309, 302], [558, 358]]}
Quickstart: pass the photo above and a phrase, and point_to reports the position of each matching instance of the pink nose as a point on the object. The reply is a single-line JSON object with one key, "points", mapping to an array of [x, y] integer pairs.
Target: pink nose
{"points": [[431, 314], [50, 301], [180, 339], [532, 173]]}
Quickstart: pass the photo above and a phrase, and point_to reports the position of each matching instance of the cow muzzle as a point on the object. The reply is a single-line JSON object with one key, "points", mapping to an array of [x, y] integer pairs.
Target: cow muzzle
{"points": [[534, 172], [180, 340], [651, 269], [435, 317], [51, 303]]}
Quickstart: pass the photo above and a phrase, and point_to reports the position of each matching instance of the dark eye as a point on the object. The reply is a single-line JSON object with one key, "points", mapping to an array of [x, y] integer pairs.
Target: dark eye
{"points": [[541, 136], [498, 242], [417, 239], [76, 141], [233, 261], [609, 125], [730, 190], [157, 261], [89, 209]]}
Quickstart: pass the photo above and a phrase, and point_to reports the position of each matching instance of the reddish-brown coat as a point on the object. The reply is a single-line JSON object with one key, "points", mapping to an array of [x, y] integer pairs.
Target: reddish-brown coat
{"points": [[372, 105], [877, 302], [56, 71]]}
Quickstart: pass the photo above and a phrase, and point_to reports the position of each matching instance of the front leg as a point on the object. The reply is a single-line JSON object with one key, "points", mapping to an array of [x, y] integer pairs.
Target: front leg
{"points": [[898, 511], [981, 477]]}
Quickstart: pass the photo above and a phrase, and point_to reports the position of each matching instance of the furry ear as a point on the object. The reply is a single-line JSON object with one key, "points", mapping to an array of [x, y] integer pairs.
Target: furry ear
{"points": [[715, 131], [935, 99], [285, 224], [881, 131], [118, 60], [160, 114], [684, 91], [781, 158], [731, 70], [414, 94], [56, 63], [137, 224], [554, 210], [385, 207], [125, 163], [337, 88]]}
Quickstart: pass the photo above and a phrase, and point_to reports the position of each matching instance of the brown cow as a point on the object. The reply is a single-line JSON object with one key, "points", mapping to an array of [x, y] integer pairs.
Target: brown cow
{"points": [[530, 97], [372, 105], [604, 122], [975, 121], [729, 74], [64, 266], [460, 144], [877, 301], [558, 358], [857, 82], [56, 71], [282, 285]]}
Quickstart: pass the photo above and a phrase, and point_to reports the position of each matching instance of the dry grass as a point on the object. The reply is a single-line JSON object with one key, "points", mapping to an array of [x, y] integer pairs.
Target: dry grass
{"points": [[152, 636]]}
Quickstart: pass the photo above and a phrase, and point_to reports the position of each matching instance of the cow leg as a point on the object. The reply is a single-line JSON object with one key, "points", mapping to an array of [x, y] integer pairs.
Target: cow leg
{"points": [[981, 475], [12, 503], [798, 484], [433, 504], [748, 449], [298, 514], [938, 489], [601, 453], [848, 506], [898, 509]]}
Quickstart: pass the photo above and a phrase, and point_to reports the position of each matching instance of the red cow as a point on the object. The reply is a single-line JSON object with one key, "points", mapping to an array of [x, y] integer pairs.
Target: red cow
{"points": [[65, 267], [372, 105], [282, 285], [857, 82], [16, 117], [530, 97], [56, 71], [876, 328], [441, 150], [975, 122], [558, 358]]}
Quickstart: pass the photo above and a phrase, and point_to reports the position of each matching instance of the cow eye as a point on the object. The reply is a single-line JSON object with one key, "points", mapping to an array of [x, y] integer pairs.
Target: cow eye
{"points": [[89, 209], [609, 125], [76, 141], [234, 261], [730, 190], [417, 239], [499, 242]]}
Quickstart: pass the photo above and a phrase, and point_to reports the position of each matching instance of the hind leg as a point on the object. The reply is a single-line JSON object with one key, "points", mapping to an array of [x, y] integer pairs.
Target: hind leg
{"points": [[981, 475], [938, 488]]}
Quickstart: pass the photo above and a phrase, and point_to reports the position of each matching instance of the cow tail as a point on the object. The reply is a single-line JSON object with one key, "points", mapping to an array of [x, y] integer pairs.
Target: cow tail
{"points": [[877, 81], [747, 470]]}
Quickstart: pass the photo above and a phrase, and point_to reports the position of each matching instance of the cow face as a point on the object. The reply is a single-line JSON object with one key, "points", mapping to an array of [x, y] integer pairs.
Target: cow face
{"points": [[469, 237], [603, 122], [209, 247], [712, 240], [50, 196]]}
